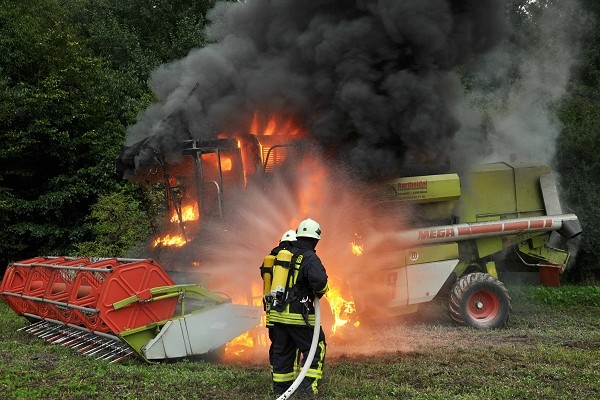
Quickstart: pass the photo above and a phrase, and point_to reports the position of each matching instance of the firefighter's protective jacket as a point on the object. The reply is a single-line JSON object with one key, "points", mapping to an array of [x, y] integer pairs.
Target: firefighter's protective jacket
{"points": [[309, 277]]}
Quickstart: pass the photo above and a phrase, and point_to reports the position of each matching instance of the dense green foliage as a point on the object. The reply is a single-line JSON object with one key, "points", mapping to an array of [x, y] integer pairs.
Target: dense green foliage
{"points": [[73, 76], [118, 220], [579, 149], [58, 121], [568, 296], [548, 351]]}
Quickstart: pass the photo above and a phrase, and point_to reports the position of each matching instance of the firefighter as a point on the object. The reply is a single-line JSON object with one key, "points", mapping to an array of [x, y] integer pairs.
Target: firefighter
{"points": [[293, 315], [285, 243]]}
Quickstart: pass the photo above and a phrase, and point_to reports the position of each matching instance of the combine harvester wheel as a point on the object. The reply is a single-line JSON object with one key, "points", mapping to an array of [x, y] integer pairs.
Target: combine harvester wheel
{"points": [[479, 300], [112, 308]]}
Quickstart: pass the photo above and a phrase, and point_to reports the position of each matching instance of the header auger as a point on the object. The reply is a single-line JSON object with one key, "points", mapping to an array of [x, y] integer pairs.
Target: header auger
{"points": [[113, 308]]}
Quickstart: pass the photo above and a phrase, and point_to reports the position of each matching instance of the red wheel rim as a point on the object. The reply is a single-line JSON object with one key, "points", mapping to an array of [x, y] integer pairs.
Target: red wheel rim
{"points": [[483, 306]]}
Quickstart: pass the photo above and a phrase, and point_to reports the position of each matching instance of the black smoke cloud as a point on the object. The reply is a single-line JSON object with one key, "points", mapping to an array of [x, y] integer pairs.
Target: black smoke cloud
{"points": [[373, 81]]}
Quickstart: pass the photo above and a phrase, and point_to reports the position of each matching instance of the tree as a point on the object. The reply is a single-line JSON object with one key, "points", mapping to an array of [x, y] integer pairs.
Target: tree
{"points": [[58, 118], [579, 146], [119, 224], [137, 36], [73, 76]]}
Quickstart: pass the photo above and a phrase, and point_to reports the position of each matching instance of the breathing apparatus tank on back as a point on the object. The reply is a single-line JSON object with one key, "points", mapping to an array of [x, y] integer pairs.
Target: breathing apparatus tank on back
{"points": [[267, 274], [281, 270], [267, 268]]}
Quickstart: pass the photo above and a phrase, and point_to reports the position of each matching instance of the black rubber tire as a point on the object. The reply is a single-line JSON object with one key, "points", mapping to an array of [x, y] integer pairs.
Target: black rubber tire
{"points": [[480, 301]]}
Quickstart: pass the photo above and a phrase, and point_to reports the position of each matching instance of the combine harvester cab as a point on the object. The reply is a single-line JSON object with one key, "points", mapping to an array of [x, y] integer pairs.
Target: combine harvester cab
{"points": [[463, 232], [114, 308]]}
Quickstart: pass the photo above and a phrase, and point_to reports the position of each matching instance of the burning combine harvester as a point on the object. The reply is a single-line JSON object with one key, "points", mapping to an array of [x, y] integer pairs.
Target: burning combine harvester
{"points": [[463, 229]]}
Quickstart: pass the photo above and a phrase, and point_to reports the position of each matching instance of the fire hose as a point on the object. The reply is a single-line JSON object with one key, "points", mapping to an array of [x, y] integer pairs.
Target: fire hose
{"points": [[310, 356]]}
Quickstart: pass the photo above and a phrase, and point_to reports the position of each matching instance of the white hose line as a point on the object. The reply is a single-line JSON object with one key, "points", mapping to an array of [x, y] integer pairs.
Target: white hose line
{"points": [[311, 353]]}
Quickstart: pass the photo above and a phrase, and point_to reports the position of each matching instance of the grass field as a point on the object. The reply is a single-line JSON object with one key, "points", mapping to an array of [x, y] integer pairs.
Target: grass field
{"points": [[549, 350]]}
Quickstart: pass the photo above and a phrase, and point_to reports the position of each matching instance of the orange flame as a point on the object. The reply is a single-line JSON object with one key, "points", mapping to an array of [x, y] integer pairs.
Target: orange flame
{"points": [[188, 213], [240, 345], [168, 240], [341, 308], [274, 125], [357, 249], [315, 176], [226, 164], [250, 339]]}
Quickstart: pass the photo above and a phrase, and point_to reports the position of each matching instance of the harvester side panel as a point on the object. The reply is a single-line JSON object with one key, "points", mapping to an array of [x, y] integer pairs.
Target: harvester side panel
{"points": [[502, 190], [396, 288], [202, 331], [488, 193], [488, 246], [530, 201], [425, 280]]}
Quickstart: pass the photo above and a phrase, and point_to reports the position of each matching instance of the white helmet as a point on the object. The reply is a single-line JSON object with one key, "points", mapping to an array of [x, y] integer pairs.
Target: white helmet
{"points": [[289, 236], [309, 228]]}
